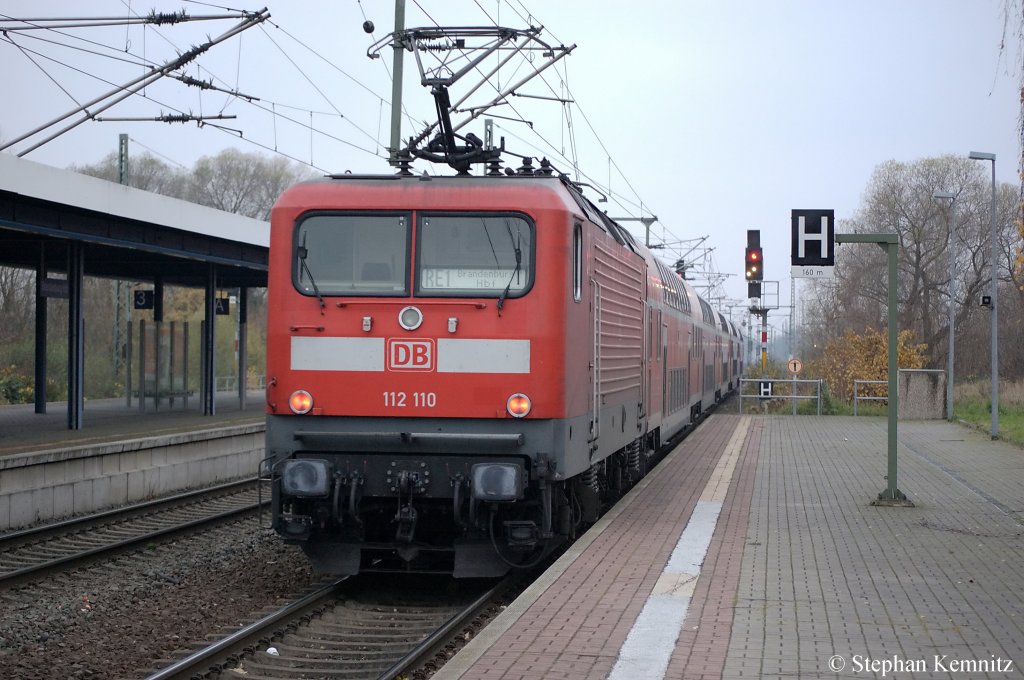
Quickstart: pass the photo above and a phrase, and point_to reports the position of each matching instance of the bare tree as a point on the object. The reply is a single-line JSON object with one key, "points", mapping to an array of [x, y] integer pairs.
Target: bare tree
{"points": [[899, 199], [243, 183], [17, 302], [146, 172]]}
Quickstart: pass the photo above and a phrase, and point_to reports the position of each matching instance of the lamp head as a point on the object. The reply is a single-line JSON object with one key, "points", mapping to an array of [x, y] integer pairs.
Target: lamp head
{"points": [[982, 156]]}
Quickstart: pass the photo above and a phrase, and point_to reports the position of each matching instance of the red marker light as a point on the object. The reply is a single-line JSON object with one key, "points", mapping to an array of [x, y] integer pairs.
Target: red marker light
{"points": [[518, 405], [300, 402]]}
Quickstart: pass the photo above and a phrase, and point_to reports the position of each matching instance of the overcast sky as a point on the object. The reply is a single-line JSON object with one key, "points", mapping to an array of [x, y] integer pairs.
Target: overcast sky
{"points": [[719, 115]]}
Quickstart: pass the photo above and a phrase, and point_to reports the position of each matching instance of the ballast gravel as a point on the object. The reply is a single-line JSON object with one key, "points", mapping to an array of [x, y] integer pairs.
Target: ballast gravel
{"points": [[115, 619]]}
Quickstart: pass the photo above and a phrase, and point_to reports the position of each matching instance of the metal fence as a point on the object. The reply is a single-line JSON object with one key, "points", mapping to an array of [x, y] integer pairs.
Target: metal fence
{"points": [[858, 398], [765, 390], [229, 383]]}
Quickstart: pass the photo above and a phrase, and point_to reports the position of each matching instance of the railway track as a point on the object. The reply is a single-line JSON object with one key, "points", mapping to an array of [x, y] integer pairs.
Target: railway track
{"points": [[358, 627], [36, 551]]}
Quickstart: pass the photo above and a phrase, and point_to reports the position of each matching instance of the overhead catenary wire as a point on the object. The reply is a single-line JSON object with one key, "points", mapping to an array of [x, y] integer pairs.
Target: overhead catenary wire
{"points": [[157, 153], [639, 203], [130, 88], [317, 88], [110, 52], [569, 153]]}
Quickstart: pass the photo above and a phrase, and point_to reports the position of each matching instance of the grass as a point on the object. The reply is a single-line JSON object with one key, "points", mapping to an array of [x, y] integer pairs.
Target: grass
{"points": [[972, 404]]}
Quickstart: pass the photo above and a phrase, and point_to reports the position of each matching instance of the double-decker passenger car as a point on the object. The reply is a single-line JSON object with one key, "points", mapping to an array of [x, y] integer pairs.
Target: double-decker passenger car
{"points": [[462, 370]]}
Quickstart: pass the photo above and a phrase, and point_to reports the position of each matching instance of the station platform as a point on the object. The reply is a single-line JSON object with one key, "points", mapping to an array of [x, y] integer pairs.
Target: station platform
{"points": [[752, 551], [22, 430], [121, 454]]}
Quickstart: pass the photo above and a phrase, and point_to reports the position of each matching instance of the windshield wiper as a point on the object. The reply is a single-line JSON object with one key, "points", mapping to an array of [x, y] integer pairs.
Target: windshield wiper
{"points": [[515, 272], [305, 268]]}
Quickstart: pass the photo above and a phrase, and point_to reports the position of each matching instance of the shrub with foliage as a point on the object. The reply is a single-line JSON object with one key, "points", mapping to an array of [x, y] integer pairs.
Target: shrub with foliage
{"points": [[865, 357], [15, 388]]}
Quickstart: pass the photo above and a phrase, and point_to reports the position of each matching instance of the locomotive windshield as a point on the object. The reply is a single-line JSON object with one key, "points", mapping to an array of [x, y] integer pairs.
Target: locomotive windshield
{"points": [[456, 255], [352, 255], [474, 255]]}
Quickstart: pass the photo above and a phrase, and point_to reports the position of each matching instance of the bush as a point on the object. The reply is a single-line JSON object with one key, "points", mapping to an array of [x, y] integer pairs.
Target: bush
{"points": [[15, 388], [864, 357]]}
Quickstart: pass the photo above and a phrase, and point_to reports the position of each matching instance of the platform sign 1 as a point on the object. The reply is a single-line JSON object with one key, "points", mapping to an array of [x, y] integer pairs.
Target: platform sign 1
{"points": [[814, 244]]}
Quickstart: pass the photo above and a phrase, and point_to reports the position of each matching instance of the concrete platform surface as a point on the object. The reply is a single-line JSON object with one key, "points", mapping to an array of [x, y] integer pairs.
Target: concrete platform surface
{"points": [[752, 552], [109, 420]]}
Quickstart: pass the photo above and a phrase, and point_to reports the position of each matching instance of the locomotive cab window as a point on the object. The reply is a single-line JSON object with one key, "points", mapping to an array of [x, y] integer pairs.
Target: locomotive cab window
{"points": [[474, 255], [337, 254]]}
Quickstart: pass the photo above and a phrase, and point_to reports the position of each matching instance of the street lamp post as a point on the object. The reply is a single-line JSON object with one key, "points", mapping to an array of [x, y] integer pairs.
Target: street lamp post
{"points": [[983, 156], [952, 297]]}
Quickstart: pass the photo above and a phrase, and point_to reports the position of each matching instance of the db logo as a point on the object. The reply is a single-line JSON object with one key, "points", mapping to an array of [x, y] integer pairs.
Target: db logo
{"points": [[410, 355]]}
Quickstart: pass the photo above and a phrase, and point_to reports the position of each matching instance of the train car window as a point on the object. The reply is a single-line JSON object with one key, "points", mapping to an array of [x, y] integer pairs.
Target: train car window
{"points": [[352, 254], [577, 262], [474, 255], [705, 308]]}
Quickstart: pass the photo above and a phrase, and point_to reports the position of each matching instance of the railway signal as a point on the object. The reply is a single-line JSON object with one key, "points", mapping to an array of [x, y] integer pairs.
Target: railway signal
{"points": [[754, 264]]}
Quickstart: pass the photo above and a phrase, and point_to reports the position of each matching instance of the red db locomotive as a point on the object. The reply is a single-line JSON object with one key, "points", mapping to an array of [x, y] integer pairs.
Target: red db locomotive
{"points": [[463, 370]]}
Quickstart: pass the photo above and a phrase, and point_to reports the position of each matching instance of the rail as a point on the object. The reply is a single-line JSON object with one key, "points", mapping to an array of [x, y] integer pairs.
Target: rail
{"points": [[187, 667], [766, 390], [377, 635], [35, 552]]}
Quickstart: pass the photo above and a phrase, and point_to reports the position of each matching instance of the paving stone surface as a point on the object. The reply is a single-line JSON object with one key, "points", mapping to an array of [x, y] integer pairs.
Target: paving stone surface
{"points": [[933, 591]]}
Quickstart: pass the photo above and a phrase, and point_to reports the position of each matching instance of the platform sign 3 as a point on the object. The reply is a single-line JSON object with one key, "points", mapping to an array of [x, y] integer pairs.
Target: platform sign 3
{"points": [[143, 299], [814, 244]]}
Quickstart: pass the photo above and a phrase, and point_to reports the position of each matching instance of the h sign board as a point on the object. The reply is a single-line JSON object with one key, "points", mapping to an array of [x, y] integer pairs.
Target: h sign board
{"points": [[814, 244]]}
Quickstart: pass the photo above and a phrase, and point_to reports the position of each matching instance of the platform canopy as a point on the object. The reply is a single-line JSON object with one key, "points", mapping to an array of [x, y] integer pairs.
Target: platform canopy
{"points": [[58, 221], [125, 233]]}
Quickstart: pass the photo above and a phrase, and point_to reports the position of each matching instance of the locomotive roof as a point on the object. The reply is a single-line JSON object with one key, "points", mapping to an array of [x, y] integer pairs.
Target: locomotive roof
{"points": [[548, 180], [557, 184]]}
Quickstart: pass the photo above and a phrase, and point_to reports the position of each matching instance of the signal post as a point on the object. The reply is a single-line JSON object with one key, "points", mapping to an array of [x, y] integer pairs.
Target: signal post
{"points": [[813, 256], [753, 269]]}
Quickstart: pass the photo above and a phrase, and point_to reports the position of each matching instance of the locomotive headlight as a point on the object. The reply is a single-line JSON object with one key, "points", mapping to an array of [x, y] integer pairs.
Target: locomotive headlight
{"points": [[518, 405], [300, 402], [305, 477], [496, 481], [410, 318]]}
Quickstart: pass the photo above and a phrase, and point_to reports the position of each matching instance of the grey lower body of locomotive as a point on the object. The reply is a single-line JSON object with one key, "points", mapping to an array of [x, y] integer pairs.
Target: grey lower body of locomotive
{"points": [[419, 463]]}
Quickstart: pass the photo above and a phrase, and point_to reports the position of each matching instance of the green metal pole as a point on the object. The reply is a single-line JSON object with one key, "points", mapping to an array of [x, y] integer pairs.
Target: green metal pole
{"points": [[893, 492], [396, 84], [890, 243]]}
